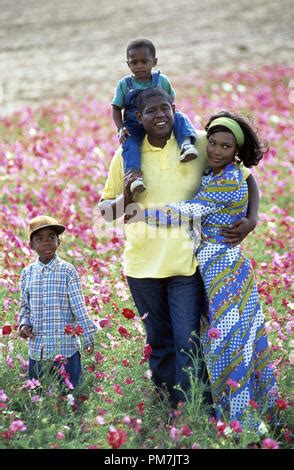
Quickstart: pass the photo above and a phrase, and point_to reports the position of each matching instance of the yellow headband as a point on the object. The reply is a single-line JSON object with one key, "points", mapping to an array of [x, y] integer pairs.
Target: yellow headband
{"points": [[232, 125]]}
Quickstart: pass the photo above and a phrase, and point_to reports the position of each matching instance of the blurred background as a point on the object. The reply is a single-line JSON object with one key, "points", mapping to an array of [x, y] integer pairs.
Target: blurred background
{"points": [[51, 49]]}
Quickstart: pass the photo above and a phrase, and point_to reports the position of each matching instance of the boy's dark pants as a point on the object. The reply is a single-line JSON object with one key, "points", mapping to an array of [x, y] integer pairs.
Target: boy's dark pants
{"points": [[72, 366]]}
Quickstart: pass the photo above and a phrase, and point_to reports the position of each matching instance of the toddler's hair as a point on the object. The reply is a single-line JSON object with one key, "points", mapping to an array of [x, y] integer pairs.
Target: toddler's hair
{"points": [[141, 42], [144, 95]]}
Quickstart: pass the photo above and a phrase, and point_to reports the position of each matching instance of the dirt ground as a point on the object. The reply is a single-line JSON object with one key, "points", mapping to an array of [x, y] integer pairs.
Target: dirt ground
{"points": [[49, 49]]}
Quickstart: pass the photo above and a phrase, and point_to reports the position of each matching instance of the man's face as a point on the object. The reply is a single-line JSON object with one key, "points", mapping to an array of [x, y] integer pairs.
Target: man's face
{"points": [[157, 118]]}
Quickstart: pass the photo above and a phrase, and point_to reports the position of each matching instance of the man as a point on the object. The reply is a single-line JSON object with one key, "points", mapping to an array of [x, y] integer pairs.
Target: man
{"points": [[160, 265]]}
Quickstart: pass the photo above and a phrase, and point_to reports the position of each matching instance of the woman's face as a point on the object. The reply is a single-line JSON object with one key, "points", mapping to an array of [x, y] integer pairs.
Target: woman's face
{"points": [[221, 150]]}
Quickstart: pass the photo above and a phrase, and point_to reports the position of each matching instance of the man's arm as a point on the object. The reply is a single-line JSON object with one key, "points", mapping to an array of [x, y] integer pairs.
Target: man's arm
{"points": [[240, 229], [112, 209]]}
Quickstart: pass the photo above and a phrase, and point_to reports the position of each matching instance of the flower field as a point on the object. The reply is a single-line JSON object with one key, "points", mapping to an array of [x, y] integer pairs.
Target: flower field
{"points": [[54, 160]]}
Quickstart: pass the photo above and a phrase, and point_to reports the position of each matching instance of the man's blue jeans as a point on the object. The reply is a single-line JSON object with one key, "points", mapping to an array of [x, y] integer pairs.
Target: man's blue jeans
{"points": [[173, 306]]}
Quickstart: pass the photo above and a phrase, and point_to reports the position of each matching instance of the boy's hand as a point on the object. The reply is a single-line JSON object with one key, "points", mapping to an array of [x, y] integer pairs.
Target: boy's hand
{"points": [[26, 332], [89, 349], [123, 134]]}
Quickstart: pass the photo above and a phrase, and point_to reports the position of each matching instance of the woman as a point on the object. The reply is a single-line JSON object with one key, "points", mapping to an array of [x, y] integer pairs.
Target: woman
{"points": [[235, 345]]}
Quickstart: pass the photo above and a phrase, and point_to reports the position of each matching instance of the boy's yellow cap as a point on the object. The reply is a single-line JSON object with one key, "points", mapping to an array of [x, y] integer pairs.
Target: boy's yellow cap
{"points": [[44, 221]]}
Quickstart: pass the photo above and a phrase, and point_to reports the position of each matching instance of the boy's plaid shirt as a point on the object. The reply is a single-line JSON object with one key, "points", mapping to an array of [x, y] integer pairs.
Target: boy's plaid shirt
{"points": [[51, 298]]}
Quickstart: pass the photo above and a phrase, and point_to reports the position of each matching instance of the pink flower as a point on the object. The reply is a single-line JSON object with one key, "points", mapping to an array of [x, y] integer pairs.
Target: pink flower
{"points": [[232, 383], [196, 445], [17, 425], [214, 333], [60, 435], [175, 433], [118, 389], [236, 426], [99, 358], [269, 444], [3, 396], [221, 426], [100, 420]]}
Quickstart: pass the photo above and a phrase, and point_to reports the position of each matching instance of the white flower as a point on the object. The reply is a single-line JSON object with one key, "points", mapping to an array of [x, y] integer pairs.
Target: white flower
{"points": [[70, 399], [262, 428]]}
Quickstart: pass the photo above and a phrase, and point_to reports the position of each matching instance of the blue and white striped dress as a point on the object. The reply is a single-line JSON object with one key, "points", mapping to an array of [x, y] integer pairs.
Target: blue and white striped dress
{"points": [[238, 352]]}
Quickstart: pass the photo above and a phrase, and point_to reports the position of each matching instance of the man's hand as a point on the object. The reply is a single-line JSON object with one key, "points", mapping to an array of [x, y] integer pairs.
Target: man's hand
{"points": [[123, 134], [26, 332], [236, 232]]}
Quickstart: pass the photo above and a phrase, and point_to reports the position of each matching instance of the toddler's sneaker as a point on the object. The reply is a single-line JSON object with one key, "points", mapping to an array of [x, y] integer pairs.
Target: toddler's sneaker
{"points": [[188, 153], [137, 186]]}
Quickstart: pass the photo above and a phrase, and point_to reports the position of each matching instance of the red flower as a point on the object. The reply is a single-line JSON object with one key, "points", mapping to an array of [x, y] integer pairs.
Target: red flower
{"points": [[140, 407], [78, 330], [125, 362], [68, 330], [146, 353], [186, 431], [116, 437], [6, 330], [128, 313], [254, 404], [123, 331], [282, 404]]}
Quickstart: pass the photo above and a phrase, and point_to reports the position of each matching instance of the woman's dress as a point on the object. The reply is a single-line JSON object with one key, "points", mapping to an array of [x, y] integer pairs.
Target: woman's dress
{"points": [[234, 342]]}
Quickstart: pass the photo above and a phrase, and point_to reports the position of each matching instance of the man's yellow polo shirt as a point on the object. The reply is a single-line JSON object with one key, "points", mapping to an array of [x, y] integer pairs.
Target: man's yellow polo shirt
{"points": [[159, 252]]}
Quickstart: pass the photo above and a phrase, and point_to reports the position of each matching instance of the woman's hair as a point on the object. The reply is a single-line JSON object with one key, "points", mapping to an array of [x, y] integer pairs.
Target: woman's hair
{"points": [[148, 93], [253, 148], [141, 42]]}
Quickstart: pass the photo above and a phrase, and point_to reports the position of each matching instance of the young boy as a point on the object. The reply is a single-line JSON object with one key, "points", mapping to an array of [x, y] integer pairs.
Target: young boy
{"points": [[141, 60], [53, 313]]}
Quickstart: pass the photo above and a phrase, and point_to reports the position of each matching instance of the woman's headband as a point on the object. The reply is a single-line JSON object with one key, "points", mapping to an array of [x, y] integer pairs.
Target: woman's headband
{"points": [[232, 125]]}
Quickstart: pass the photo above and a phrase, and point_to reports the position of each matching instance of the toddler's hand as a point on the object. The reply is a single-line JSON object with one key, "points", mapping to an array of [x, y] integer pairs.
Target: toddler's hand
{"points": [[123, 133], [26, 332]]}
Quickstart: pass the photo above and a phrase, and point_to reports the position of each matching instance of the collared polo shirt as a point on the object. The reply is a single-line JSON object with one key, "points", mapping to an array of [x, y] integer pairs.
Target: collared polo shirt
{"points": [[150, 251]]}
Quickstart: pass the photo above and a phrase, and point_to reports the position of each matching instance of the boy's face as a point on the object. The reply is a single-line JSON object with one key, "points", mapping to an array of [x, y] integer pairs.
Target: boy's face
{"points": [[45, 242], [157, 119], [141, 62]]}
